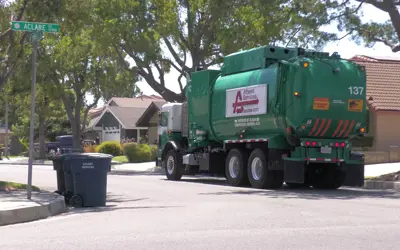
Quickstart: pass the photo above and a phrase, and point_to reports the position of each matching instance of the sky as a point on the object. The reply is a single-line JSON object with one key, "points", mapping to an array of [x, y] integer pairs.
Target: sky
{"points": [[345, 47]]}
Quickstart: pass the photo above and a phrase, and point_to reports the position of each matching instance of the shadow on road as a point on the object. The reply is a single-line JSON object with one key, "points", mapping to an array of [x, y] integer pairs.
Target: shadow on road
{"points": [[116, 202], [112, 207], [313, 194], [344, 193], [132, 172]]}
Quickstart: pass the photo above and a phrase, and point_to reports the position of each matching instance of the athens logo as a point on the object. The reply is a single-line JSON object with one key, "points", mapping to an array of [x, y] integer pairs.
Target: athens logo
{"points": [[241, 101]]}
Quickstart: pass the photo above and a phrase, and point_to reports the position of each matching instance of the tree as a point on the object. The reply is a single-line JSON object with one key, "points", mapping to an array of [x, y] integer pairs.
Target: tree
{"points": [[50, 117], [79, 62], [370, 33], [11, 42], [198, 33]]}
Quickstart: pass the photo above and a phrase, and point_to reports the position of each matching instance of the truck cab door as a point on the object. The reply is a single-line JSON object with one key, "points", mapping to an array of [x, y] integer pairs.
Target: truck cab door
{"points": [[162, 131]]}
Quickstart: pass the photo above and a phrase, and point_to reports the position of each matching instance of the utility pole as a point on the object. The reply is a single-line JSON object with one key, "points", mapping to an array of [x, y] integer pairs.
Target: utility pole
{"points": [[35, 38]]}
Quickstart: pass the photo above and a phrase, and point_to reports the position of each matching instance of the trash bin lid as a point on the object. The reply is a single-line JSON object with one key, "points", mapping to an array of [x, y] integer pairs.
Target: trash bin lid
{"points": [[76, 155]]}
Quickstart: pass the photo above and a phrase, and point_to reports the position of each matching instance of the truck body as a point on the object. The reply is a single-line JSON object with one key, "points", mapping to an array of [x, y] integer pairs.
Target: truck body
{"points": [[269, 115]]}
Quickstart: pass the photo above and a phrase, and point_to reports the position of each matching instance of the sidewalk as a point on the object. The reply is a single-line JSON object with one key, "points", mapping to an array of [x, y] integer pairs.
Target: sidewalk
{"points": [[24, 161], [375, 170], [16, 208], [137, 167]]}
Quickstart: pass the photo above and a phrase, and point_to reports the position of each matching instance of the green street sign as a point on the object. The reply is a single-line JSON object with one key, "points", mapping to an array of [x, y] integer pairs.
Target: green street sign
{"points": [[28, 26]]}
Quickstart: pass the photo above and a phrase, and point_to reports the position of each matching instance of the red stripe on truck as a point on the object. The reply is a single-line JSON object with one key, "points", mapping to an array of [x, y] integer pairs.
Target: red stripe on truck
{"points": [[337, 128], [350, 128], [344, 128], [320, 127], [327, 127], [314, 127]]}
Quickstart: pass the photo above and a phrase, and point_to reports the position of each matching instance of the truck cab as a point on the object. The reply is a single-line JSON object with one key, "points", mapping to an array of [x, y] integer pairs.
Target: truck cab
{"points": [[169, 128]]}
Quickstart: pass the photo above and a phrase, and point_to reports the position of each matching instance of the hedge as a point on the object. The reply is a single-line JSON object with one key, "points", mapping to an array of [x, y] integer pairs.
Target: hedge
{"points": [[110, 147], [137, 153]]}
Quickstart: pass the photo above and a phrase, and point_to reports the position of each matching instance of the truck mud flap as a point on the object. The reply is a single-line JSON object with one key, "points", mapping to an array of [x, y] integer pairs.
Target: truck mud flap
{"points": [[354, 175], [294, 171]]}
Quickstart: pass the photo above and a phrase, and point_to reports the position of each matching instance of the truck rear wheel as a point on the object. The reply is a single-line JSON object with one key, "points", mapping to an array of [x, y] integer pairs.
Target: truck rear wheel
{"points": [[235, 167], [259, 175], [328, 177], [173, 165]]}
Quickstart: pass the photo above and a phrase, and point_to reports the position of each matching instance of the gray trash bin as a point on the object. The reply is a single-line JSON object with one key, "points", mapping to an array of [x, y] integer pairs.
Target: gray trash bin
{"points": [[58, 166], [85, 177]]}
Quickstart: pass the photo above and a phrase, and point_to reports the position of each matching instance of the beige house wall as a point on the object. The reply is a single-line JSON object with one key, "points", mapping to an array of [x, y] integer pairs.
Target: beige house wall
{"points": [[385, 127]]}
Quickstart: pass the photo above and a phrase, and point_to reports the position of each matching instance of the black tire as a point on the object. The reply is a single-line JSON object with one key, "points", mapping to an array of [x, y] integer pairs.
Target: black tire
{"points": [[173, 172], [262, 178], [297, 185], [76, 201], [238, 179], [329, 178]]}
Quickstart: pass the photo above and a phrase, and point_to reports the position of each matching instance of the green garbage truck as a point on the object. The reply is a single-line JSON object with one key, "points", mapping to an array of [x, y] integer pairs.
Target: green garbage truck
{"points": [[270, 115]]}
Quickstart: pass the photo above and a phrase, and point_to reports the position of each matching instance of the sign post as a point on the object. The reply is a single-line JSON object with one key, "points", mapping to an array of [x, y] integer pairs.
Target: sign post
{"points": [[36, 30]]}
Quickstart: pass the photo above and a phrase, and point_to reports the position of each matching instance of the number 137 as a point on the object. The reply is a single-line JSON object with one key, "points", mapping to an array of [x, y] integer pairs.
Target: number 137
{"points": [[356, 90]]}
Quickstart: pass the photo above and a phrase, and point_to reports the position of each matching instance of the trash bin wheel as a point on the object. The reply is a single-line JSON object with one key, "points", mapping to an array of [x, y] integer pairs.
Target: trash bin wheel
{"points": [[76, 201]]}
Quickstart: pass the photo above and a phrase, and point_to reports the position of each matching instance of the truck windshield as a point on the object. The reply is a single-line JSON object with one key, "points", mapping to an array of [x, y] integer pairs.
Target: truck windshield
{"points": [[164, 119]]}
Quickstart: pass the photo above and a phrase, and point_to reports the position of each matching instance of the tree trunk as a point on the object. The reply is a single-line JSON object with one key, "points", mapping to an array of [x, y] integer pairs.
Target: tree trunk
{"points": [[77, 126], [42, 147]]}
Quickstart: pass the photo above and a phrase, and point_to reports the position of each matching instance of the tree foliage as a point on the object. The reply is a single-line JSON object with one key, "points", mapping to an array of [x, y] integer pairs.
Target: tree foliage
{"points": [[11, 42], [72, 65], [369, 33], [79, 62], [160, 35]]}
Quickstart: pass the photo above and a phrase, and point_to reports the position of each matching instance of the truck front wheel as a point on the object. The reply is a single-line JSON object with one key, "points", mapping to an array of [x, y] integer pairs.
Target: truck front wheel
{"points": [[259, 175], [235, 167], [173, 165]]}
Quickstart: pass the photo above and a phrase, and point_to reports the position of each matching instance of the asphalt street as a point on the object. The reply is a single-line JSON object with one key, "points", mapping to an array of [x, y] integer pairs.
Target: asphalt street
{"points": [[148, 212]]}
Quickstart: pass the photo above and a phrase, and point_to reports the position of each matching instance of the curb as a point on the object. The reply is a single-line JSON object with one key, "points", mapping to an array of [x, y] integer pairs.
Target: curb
{"points": [[25, 163], [382, 185], [155, 171], [27, 214]]}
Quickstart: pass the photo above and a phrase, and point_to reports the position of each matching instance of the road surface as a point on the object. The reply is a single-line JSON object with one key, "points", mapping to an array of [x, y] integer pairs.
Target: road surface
{"points": [[148, 212]]}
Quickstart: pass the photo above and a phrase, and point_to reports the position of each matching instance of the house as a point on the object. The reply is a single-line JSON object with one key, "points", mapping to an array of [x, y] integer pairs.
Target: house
{"points": [[383, 92], [117, 119], [149, 119]]}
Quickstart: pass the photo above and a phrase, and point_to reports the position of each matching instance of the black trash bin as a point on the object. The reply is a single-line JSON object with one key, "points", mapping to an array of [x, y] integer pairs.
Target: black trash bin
{"points": [[85, 177]]}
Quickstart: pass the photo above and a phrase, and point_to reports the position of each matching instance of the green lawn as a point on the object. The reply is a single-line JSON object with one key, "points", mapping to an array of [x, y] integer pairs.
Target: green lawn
{"points": [[121, 159], [9, 186]]}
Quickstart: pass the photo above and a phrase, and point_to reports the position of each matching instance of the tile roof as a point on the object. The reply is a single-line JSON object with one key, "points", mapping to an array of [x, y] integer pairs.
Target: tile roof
{"points": [[127, 115], [159, 103], [136, 102], [383, 82], [389, 59], [155, 106]]}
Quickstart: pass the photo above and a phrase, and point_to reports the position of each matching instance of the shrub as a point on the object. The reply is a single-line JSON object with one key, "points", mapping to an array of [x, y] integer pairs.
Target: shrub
{"points": [[90, 149], [137, 153], [110, 147], [24, 145]]}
